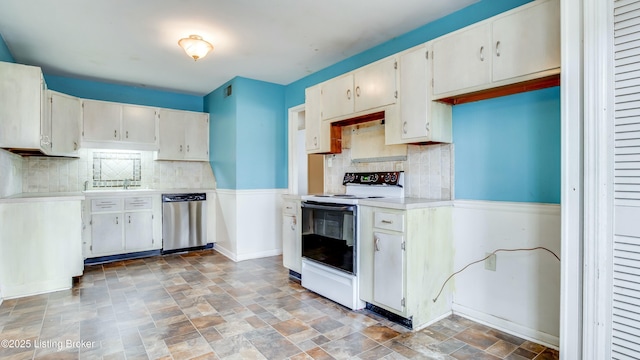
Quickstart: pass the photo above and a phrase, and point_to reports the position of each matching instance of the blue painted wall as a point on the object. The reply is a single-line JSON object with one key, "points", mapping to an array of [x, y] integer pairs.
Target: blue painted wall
{"points": [[261, 135], [5, 54], [248, 135], [222, 135], [508, 148], [95, 90]]}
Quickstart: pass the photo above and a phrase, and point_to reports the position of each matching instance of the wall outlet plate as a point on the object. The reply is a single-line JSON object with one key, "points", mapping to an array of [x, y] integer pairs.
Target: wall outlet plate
{"points": [[490, 263]]}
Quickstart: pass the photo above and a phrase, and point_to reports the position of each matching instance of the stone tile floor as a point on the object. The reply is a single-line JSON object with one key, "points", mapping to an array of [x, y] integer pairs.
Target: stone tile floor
{"points": [[203, 306]]}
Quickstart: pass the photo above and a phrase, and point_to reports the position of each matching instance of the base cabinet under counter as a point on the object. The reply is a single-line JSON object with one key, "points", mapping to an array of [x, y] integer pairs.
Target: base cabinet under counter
{"points": [[121, 224], [405, 256]]}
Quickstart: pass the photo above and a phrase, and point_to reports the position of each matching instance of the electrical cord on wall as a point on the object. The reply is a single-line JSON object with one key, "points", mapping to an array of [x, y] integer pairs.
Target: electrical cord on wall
{"points": [[485, 258]]}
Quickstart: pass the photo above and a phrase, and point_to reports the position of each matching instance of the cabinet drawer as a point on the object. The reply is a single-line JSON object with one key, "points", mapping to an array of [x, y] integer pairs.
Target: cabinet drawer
{"points": [[111, 204], [388, 221], [137, 203], [289, 207]]}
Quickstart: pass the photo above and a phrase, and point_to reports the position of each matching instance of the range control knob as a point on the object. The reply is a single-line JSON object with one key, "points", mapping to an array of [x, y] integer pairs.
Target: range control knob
{"points": [[394, 177], [387, 177]]}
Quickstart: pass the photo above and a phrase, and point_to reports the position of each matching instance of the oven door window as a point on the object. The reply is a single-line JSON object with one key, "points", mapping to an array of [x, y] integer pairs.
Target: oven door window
{"points": [[328, 235]]}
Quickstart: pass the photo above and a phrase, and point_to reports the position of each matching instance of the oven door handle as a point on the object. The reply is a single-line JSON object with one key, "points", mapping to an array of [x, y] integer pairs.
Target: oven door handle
{"points": [[329, 207]]}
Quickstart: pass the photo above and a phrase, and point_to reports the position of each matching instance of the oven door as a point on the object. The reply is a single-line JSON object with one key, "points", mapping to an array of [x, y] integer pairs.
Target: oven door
{"points": [[329, 234]]}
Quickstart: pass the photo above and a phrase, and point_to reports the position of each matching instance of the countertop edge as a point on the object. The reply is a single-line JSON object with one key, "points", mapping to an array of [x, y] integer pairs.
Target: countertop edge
{"points": [[81, 195]]}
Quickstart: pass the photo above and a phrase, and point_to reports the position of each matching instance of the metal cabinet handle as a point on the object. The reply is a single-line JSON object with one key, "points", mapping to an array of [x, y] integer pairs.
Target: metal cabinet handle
{"points": [[376, 243], [117, 220], [481, 53], [180, 148], [358, 91], [404, 127], [498, 49], [75, 145], [129, 219], [293, 223], [127, 134], [115, 133], [349, 94], [387, 221], [187, 148], [315, 141]]}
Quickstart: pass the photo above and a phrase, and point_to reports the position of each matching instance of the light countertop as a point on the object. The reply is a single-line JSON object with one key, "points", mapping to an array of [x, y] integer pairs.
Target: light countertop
{"points": [[81, 195], [404, 203]]}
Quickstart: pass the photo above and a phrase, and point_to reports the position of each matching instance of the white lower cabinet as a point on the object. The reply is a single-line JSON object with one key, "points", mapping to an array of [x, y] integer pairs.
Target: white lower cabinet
{"points": [[388, 270], [123, 224], [106, 233], [291, 236], [405, 256]]}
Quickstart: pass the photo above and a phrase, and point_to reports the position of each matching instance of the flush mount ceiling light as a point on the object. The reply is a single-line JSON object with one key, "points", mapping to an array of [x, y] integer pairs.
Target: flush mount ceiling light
{"points": [[195, 47]]}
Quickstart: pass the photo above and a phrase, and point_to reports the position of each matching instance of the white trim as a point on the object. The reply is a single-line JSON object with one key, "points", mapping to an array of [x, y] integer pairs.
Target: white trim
{"points": [[259, 254], [506, 326], [292, 146], [598, 191], [249, 192], [571, 179], [228, 254]]}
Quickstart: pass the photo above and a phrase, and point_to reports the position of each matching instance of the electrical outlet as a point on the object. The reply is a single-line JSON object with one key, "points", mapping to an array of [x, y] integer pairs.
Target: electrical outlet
{"points": [[330, 161], [490, 263]]}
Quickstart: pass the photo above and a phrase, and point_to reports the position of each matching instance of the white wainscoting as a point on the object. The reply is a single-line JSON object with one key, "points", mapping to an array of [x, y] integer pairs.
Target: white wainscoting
{"points": [[523, 295], [249, 223]]}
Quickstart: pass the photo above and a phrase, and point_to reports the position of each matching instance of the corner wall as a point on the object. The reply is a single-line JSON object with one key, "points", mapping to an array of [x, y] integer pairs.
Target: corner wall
{"points": [[248, 155]]}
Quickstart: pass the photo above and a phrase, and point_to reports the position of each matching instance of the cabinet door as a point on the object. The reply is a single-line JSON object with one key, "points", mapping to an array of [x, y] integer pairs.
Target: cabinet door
{"points": [[375, 85], [462, 60], [21, 99], [415, 78], [101, 120], [66, 119], [171, 135], [138, 124], [337, 97], [312, 119], [138, 231], [196, 136], [388, 270], [291, 250], [527, 41], [106, 233]]}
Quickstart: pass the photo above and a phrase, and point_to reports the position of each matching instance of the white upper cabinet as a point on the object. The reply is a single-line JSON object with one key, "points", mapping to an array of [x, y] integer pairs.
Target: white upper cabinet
{"points": [[527, 41], [462, 60], [63, 125], [375, 85], [184, 135], [367, 88], [337, 97], [118, 126], [421, 120], [21, 104], [316, 130], [138, 124], [520, 45]]}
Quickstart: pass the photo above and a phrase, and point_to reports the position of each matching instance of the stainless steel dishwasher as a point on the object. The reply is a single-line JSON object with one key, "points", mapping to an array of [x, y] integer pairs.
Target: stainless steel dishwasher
{"points": [[184, 222]]}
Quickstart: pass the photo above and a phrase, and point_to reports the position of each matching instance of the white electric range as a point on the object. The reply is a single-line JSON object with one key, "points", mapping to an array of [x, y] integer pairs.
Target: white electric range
{"points": [[330, 234]]}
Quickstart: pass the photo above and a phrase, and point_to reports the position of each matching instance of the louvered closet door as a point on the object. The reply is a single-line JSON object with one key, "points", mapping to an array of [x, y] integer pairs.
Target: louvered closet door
{"points": [[625, 342]]}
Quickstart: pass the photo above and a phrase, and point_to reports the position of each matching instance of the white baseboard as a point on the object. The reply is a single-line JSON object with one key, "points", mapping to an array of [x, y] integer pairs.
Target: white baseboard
{"points": [[509, 327], [43, 287], [229, 254], [260, 254]]}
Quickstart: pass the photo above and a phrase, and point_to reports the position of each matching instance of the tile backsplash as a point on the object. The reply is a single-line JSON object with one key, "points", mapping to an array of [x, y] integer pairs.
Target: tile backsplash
{"points": [[428, 169], [51, 174], [114, 169]]}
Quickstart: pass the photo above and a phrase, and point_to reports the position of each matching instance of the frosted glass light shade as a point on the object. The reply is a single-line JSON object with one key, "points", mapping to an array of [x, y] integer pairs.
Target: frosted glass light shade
{"points": [[195, 47]]}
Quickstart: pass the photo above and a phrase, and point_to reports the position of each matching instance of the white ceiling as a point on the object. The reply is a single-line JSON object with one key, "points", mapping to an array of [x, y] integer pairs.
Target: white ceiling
{"points": [[134, 42]]}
